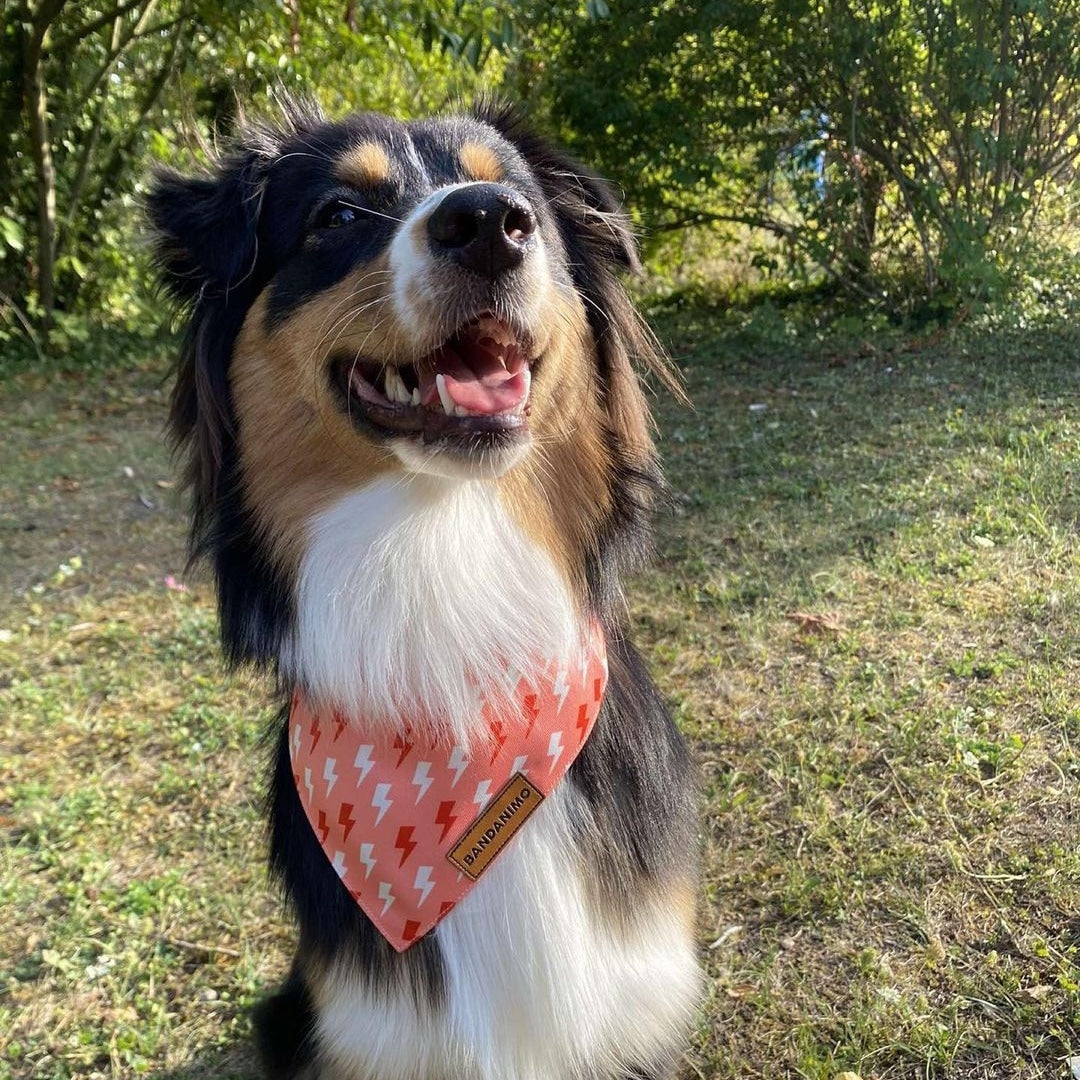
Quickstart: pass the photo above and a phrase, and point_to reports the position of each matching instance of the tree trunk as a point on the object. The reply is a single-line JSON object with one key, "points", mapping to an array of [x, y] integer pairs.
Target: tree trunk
{"points": [[36, 98]]}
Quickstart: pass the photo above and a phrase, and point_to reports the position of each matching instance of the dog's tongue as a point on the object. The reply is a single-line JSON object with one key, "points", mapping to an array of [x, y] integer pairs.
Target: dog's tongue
{"points": [[479, 374]]}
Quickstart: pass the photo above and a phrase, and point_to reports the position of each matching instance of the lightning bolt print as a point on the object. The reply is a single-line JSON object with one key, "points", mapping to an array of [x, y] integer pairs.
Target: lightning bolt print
{"points": [[423, 883], [367, 859], [338, 863], [561, 687], [500, 735], [363, 762], [531, 711], [422, 779], [445, 817], [381, 800], [555, 749], [582, 721], [386, 896], [459, 761], [401, 742], [316, 733], [405, 843], [329, 775], [297, 735], [340, 723], [519, 763], [345, 818], [483, 793], [309, 785]]}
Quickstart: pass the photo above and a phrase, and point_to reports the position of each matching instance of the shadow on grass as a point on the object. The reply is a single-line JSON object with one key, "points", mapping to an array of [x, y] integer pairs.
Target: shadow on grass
{"points": [[798, 453], [234, 1062]]}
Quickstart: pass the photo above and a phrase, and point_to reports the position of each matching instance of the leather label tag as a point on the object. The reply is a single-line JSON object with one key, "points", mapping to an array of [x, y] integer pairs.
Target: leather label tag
{"points": [[501, 818]]}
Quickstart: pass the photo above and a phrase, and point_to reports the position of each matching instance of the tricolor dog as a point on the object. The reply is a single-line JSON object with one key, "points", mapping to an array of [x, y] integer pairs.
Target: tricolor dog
{"points": [[420, 462]]}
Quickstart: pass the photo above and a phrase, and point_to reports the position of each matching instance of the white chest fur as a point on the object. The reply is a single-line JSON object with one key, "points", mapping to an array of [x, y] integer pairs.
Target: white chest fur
{"points": [[412, 596]]}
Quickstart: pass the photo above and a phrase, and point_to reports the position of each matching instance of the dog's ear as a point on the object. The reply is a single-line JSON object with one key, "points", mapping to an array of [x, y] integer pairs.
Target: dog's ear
{"points": [[205, 242], [204, 227]]}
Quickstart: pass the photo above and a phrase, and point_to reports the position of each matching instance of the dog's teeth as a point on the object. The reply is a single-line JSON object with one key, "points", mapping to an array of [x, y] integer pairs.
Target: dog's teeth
{"points": [[395, 387], [444, 395], [415, 396]]}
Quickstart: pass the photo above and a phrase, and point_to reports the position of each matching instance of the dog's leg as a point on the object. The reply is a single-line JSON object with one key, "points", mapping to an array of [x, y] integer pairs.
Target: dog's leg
{"points": [[283, 1025]]}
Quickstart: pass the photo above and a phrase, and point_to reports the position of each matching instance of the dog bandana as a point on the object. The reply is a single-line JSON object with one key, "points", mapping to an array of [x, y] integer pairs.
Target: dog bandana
{"points": [[409, 824]]}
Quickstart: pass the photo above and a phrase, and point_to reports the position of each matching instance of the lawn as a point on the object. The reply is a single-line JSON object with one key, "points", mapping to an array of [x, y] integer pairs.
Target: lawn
{"points": [[864, 609]]}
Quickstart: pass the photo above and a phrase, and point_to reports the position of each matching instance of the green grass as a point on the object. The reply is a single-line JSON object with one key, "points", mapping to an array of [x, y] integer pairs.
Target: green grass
{"points": [[864, 608]]}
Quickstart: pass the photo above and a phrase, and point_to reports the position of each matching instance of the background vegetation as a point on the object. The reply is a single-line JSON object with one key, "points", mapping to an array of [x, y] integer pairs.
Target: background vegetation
{"points": [[860, 222], [917, 156]]}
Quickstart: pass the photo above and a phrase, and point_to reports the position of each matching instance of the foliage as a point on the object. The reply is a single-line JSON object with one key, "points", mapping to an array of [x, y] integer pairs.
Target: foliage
{"points": [[91, 87], [873, 140]]}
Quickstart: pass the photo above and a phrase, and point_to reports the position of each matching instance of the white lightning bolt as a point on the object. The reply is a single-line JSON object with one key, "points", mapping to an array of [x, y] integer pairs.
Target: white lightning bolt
{"points": [[421, 779], [329, 775], [297, 735], [519, 763], [366, 859], [307, 783], [363, 762], [386, 896], [338, 862], [483, 792], [555, 748], [561, 687], [380, 800], [423, 883], [459, 760]]}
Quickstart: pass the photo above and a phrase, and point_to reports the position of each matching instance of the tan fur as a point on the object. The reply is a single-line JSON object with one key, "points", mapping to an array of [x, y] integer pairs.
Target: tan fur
{"points": [[299, 452], [559, 494], [480, 162], [365, 165]]}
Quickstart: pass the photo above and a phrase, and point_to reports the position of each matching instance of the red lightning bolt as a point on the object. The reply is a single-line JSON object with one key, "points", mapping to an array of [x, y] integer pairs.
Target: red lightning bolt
{"points": [[445, 817], [446, 907], [345, 818], [324, 828], [582, 720], [533, 712], [316, 734], [401, 742], [340, 723], [405, 843], [498, 733], [598, 689], [410, 930]]}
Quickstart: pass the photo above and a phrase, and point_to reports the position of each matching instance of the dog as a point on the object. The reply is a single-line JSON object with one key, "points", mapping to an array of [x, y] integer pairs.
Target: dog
{"points": [[420, 462]]}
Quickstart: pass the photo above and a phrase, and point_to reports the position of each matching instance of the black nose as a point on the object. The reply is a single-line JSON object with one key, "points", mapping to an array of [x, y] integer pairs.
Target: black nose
{"points": [[483, 227]]}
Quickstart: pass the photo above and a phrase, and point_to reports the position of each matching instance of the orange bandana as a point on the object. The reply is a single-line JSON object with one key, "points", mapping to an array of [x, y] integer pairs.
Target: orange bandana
{"points": [[410, 824]]}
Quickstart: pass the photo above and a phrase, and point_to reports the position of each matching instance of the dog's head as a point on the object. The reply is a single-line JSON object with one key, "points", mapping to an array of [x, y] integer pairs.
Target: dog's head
{"points": [[369, 298]]}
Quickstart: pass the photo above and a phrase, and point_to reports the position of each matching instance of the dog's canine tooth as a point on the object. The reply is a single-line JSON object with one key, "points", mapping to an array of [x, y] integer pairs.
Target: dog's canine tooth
{"points": [[415, 399], [444, 395]]}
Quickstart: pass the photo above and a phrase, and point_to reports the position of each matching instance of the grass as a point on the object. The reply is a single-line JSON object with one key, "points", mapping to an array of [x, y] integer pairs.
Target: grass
{"points": [[864, 609]]}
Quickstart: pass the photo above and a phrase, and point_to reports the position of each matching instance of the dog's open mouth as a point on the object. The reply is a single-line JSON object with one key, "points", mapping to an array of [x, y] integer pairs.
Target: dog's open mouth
{"points": [[477, 381]]}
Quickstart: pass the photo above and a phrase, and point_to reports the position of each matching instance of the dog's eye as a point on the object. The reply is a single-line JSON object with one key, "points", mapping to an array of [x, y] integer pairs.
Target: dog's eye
{"points": [[336, 215]]}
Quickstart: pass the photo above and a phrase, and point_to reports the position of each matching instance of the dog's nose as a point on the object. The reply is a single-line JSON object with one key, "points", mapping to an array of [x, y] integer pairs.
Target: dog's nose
{"points": [[483, 227]]}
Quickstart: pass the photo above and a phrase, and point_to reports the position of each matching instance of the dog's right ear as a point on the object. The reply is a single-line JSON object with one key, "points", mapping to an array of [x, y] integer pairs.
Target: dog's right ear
{"points": [[205, 243], [204, 227]]}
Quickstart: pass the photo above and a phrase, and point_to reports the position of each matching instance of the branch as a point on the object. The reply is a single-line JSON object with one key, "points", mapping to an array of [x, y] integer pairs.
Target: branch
{"points": [[73, 37]]}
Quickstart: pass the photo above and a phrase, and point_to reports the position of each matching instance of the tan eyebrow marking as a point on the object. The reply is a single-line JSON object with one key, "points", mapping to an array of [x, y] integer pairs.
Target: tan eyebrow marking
{"points": [[480, 162], [367, 164]]}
